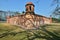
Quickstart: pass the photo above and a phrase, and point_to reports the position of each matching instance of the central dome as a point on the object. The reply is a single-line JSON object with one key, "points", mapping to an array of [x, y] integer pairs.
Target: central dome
{"points": [[29, 3], [29, 8]]}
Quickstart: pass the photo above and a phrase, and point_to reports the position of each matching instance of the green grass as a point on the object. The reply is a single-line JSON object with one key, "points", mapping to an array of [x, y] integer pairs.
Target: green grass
{"points": [[46, 32]]}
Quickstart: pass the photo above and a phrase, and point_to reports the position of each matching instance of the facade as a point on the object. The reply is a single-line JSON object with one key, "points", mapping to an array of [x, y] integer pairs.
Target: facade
{"points": [[29, 20]]}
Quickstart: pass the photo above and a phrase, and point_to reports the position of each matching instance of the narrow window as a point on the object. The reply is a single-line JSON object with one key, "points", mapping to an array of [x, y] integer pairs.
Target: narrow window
{"points": [[26, 9], [30, 7]]}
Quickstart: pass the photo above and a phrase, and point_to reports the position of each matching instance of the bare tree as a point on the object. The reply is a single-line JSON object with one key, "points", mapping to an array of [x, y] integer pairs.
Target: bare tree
{"points": [[56, 12]]}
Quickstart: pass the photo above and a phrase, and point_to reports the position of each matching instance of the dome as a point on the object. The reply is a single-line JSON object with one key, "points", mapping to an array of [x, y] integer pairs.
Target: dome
{"points": [[29, 3]]}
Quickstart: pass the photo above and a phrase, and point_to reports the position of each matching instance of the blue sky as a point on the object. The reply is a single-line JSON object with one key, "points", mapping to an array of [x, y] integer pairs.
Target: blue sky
{"points": [[43, 7]]}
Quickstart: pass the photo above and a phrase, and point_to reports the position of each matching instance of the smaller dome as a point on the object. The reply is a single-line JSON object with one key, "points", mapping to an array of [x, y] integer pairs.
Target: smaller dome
{"points": [[29, 3]]}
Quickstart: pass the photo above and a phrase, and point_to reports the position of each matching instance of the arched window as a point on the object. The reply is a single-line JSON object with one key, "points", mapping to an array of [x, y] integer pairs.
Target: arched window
{"points": [[26, 9], [30, 7]]}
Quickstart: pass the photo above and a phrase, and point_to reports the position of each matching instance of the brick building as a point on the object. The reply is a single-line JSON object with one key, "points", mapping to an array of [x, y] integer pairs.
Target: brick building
{"points": [[29, 20]]}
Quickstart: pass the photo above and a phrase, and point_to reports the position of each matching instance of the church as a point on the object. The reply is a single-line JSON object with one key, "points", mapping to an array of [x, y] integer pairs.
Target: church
{"points": [[29, 20]]}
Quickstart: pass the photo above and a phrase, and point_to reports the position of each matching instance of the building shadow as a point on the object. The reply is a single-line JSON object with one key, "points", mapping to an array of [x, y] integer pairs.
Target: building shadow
{"points": [[48, 35], [53, 35]]}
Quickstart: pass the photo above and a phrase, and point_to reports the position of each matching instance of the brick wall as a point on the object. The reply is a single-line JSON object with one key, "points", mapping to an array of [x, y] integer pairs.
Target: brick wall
{"points": [[28, 21]]}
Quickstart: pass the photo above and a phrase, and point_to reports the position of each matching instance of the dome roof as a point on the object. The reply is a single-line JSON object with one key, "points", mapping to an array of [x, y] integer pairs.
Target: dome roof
{"points": [[29, 3]]}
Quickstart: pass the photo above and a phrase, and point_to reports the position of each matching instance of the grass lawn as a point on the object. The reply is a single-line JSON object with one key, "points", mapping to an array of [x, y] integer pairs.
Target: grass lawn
{"points": [[46, 32]]}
